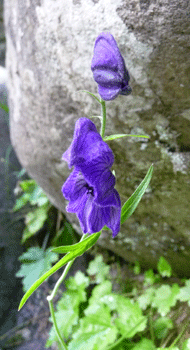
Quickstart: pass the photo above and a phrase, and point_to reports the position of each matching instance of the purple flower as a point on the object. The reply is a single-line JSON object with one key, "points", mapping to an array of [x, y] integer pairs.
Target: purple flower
{"points": [[90, 187], [109, 69]]}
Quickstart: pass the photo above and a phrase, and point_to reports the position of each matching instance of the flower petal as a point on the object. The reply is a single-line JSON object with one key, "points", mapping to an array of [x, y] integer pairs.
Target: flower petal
{"points": [[108, 93], [106, 77], [85, 138], [108, 215], [108, 67]]}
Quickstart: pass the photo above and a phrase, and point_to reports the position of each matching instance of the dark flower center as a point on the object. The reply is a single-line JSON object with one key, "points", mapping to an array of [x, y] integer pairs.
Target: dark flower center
{"points": [[90, 189]]}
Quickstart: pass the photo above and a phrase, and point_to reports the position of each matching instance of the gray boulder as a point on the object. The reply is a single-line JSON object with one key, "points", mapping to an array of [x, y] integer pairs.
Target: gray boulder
{"points": [[49, 50]]}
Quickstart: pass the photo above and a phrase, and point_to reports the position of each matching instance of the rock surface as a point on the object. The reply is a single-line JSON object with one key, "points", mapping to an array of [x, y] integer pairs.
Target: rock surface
{"points": [[49, 51]]}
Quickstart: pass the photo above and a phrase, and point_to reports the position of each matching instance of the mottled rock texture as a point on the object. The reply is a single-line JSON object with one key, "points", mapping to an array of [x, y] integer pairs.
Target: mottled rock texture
{"points": [[49, 50]]}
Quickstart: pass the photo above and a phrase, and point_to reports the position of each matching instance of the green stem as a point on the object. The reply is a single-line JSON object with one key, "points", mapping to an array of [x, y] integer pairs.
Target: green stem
{"points": [[179, 336], [63, 345], [52, 295], [151, 326], [103, 126]]}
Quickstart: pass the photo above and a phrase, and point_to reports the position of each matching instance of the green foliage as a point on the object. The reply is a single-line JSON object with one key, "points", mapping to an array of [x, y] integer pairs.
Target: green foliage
{"points": [[184, 294], [164, 267], [165, 297], [35, 262], [161, 327], [98, 269], [72, 254], [104, 320], [35, 218]]}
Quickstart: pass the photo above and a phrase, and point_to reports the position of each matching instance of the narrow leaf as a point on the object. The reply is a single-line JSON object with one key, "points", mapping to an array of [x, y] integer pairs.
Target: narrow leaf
{"points": [[86, 244], [131, 204], [118, 136], [91, 94], [70, 256]]}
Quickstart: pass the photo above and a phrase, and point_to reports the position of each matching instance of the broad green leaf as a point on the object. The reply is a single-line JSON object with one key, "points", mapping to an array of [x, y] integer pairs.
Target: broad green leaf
{"points": [[38, 197], [161, 327], [118, 136], [21, 201], [70, 256], [96, 330], [34, 221], [131, 319], [73, 283], [28, 185], [144, 344], [98, 269], [101, 290], [184, 294], [145, 299], [131, 204], [67, 313], [165, 297], [150, 278], [35, 262], [164, 267], [186, 345], [32, 193]]}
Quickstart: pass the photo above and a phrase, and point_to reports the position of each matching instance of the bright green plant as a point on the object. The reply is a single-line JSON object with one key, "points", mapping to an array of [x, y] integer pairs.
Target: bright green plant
{"points": [[105, 320], [34, 262], [35, 218]]}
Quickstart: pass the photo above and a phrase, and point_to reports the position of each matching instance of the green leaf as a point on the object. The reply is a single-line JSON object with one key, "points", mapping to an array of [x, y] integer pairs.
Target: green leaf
{"points": [[67, 313], [184, 294], [98, 269], [131, 204], [91, 94], [96, 330], [164, 267], [64, 236], [161, 327], [137, 268], [28, 185], [131, 319], [4, 107], [99, 292], [34, 221], [87, 243], [118, 136], [165, 297], [146, 298], [173, 348], [150, 278], [144, 344], [70, 256], [78, 283], [21, 201], [35, 262], [186, 345]]}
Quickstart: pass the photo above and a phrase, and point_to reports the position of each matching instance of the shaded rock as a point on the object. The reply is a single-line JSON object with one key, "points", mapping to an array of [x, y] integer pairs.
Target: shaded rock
{"points": [[49, 51]]}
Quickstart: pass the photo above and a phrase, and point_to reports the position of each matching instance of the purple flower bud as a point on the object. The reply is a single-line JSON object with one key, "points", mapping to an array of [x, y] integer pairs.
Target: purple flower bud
{"points": [[90, 187], [109, 69]]}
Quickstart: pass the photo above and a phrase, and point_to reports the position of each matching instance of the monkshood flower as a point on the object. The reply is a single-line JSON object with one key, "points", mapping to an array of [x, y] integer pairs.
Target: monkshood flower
{"points": [[109, 68], [90, 187]]}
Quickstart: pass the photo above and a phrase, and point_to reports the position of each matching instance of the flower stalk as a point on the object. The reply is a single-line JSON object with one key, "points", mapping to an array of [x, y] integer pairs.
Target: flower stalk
{"points": [[103, 120]]}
